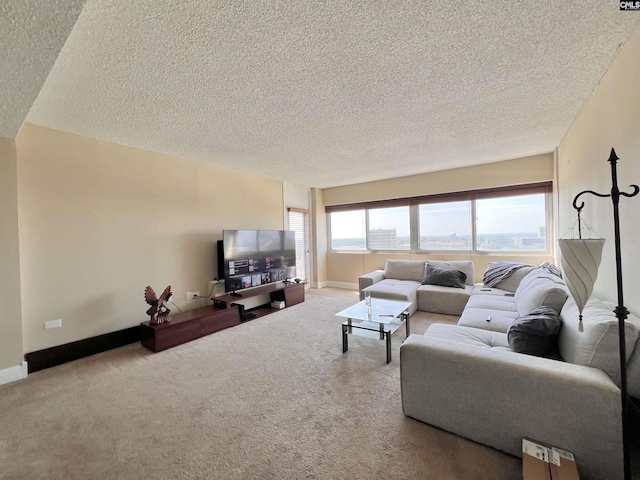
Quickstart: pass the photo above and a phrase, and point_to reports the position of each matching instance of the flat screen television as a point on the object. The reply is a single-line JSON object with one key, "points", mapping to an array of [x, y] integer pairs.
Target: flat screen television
{"points": [[251, 258]]}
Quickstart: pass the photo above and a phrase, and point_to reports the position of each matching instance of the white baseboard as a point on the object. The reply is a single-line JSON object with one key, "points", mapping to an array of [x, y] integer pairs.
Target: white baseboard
{"points": [[318, 284], [349, 286], [12, 374]]}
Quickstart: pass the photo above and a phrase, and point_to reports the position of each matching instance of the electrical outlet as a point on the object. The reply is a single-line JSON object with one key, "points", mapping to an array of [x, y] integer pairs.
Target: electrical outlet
{"points": [[193, 295], [53, 324]]}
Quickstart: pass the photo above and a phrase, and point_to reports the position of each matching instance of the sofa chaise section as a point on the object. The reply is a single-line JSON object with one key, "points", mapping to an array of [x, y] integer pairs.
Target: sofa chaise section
{"points": [[399, 280], [403, 280], [447, 300]]}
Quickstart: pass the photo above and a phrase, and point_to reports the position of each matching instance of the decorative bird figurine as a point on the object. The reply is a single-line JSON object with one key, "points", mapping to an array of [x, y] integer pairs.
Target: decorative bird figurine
{"points": [[158, 312]]}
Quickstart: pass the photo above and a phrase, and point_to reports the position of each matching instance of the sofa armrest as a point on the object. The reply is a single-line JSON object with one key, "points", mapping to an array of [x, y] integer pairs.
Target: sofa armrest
{"points": [[369, 279], [496, 397]]}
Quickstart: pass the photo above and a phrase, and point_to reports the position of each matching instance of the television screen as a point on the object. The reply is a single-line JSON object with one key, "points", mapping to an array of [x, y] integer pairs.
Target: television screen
{"points": [[257, 257]]}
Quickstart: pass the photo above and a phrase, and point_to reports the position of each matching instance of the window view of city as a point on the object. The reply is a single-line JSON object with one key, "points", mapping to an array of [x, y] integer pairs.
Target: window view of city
{"points": [[511, 223], [388, 240], [504, 223], [445, 226]]}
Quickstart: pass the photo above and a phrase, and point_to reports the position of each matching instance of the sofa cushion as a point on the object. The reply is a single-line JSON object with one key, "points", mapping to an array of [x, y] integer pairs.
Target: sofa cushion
{"points": [[512, 282], [468, 336], [465, 266], [487, 318], [535, 333], [633, 365], [392, 289], [404, 270], [445, 277], [494, 299], [480, 289], [445, 300], [597, 345], [540, 289]]}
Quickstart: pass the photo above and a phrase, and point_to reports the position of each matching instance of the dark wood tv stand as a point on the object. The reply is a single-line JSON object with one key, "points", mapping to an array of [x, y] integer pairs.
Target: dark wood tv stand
{"points": [[224, 313], [290, 293]]}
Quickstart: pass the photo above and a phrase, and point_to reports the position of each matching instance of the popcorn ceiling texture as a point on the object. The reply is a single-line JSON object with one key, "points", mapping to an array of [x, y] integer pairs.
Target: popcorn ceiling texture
{"points": [[32, 33], [322, 93]]}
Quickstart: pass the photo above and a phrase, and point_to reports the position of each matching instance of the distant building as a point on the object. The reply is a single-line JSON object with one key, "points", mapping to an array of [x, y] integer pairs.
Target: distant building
{"points": [[383, 239]]}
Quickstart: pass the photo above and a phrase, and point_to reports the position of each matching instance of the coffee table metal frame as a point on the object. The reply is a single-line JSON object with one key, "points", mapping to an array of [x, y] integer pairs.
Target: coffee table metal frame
{"points": [[379, 321]]}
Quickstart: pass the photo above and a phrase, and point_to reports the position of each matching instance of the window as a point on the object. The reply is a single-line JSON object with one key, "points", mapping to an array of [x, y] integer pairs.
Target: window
{"points": [[445, 226], [348, 230], [502, 219], [389, 229], [511, 223]]}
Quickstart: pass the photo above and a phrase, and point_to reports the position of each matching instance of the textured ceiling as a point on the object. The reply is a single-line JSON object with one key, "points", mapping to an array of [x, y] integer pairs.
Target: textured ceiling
{"points": [[32, 32], [319, 93]]}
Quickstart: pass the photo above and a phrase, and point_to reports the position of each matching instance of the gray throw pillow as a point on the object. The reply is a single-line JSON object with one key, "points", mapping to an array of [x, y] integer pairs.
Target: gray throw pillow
{"points": [[445, 277], [535, 333]]}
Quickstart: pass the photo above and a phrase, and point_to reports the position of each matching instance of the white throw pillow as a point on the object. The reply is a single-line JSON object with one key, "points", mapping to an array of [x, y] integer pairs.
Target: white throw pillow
{"points": [[540, 289]]}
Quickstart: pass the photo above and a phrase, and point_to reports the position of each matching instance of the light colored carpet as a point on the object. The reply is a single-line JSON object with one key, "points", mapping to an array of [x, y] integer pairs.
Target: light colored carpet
{"points": [[274, 398]]}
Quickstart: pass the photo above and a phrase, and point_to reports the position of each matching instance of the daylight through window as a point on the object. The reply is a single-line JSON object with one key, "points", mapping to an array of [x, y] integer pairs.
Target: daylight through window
{"points": [[348, 230], [389, 229], [445, 226], [504, 219]]}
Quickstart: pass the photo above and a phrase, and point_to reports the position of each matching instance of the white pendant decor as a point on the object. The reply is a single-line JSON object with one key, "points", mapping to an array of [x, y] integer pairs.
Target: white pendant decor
{"points": [[580, 262]]}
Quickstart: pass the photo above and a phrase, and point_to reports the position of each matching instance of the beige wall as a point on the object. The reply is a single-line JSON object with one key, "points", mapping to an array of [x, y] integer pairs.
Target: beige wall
{"points": [[538, 168], [294, 197], [99, 222], [318, 240], [343, 269], [610, 118], [10, 321]]}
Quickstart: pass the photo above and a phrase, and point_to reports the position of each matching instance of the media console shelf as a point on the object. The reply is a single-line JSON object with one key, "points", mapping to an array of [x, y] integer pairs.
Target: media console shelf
{"points": [[291, 294], [226, 312]]}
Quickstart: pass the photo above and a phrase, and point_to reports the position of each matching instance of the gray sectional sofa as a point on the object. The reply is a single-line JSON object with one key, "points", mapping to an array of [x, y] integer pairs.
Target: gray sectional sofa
{"points": [[466, 379]]}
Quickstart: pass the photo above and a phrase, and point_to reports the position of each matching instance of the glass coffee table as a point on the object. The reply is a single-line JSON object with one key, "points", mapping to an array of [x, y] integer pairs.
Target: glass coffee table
{"points": [[378, 320]]}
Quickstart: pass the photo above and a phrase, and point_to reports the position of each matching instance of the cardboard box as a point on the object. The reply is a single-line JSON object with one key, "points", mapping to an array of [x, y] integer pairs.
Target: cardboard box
{"points": [[544, 462]]}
